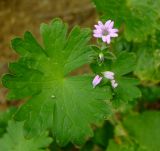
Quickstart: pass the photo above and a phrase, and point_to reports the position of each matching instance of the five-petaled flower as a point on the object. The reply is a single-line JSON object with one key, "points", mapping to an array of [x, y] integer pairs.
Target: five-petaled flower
{"points": [[105, 31]]}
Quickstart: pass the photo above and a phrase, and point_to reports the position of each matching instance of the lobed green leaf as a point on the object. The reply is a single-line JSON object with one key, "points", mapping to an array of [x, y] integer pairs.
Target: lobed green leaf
{"points": [[14, 139], [65, 104]]}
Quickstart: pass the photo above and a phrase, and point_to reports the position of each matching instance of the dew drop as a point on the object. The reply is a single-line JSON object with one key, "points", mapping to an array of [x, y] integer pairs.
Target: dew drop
{"points": [[53, 96]]}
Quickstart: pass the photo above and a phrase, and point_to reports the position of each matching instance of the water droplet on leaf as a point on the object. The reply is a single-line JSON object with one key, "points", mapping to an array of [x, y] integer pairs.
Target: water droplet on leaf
{"points": [[53, 96]]}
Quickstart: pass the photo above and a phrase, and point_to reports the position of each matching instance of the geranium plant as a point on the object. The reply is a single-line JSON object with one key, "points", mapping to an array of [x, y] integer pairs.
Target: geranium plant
{"points": [[60, 109]]}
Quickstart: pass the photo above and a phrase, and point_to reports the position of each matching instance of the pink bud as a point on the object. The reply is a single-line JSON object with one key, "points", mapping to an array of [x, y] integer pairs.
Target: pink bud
{"points": [[96, 80], [109, 75], [114, 83]]}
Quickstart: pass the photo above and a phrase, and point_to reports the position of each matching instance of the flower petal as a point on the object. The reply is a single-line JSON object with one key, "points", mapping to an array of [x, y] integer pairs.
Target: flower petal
{"points": [[97, 35], [97, 27], [104, 38], [97, 31], [114, 30], [113, 35], [96, 81], [109, 75], [107, 23], [111, 25], [100, 24], [108, 39]]}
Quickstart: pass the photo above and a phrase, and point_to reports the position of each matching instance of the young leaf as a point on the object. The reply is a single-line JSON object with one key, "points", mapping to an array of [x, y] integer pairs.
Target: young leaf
{"points": [[65, 104], [139, 18], [14, 139]]}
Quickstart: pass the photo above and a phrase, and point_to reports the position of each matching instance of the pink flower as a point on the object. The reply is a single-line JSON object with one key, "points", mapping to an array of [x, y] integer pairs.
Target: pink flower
{"points": [[105, 31], [96, 80], [114, 83], [109, 75]]}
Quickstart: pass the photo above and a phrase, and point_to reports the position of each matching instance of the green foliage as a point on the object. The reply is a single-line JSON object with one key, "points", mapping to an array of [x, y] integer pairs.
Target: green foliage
{"points": [[144, 128], [65, 104], [103, 134], [141, 133], [123, 147], [121, 66], [151, 93], [138, 18], [5, 116], [148, 63], [14, 139]]}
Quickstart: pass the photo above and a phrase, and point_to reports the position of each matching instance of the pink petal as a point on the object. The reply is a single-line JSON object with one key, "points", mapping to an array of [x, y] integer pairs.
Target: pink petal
{"points": [[114, 30], [104, 38], [111, 25], [96, 81], [113, 35], [100, 24], [109, 75], [97, 31], [108, 39], [97, 27], [107, 23], [97, 35]]}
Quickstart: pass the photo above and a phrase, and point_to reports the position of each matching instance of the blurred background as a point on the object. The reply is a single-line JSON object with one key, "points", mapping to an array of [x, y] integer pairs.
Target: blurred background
{"points": [[17, 16]]}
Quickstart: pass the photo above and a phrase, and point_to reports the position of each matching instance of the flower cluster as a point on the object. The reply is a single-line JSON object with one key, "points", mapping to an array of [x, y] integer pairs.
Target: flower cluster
{"points": [[107, 74], [106, 32]]}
